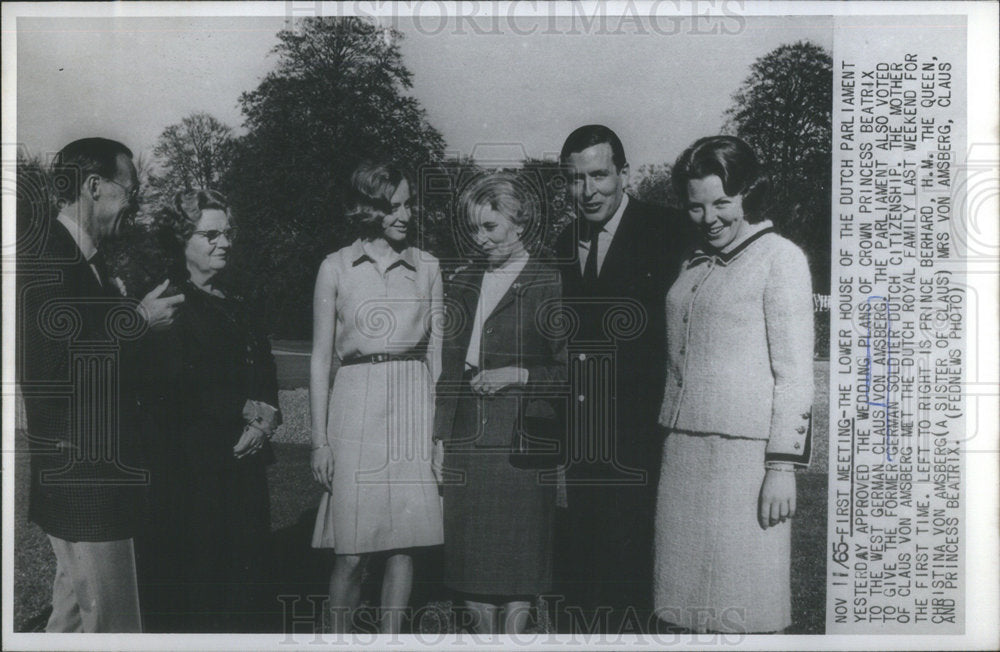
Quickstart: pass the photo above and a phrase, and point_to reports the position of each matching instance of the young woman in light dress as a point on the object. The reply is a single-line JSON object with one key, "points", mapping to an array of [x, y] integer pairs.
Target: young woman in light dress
{"points": [[374, 304]]}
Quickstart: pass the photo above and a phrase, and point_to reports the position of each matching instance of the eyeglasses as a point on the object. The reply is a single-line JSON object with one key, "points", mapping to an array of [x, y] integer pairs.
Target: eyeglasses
{"points": [[132, 195], [213, 235]]}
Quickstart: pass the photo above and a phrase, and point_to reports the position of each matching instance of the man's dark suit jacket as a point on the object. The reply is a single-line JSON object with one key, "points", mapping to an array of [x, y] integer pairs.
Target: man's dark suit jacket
{"points": [[617, 362], [85, 484], [624, 312]]}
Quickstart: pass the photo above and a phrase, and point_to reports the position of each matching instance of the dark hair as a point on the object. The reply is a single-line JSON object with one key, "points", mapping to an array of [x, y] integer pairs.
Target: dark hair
{"points": [[373, 184], [734, 162], [82, 158], [590, 135]]}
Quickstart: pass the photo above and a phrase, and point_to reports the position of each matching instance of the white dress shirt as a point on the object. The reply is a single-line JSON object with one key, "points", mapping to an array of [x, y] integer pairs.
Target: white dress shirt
{"points": [[603, 242], [496, 282]]}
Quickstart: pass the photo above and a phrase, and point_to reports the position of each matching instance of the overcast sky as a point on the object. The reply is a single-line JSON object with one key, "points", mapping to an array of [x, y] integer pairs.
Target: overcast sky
{"points": [[128, 78]]}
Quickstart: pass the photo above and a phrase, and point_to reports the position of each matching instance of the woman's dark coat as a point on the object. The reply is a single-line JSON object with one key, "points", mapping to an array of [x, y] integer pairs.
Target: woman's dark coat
{"points": [[201, 555]]}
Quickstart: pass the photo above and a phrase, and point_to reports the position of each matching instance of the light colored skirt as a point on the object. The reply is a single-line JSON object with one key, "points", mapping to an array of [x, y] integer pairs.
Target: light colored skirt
{"points": [[715, 569], [379, 429]]}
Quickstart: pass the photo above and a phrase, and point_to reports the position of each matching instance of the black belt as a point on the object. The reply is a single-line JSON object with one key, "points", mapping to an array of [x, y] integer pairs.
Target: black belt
{"points": [[376, 358]]}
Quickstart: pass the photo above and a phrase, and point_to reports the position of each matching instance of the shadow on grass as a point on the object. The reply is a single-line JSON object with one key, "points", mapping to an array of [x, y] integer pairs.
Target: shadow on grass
{"points": [[299, 573], [809, 556]]}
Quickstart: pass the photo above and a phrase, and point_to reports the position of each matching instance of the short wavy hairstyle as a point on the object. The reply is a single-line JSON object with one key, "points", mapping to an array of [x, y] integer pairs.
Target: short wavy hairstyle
{"points": [[153, 250], [506, 194], [734, 162], [181, 217], [175, 223], [373, 183]]}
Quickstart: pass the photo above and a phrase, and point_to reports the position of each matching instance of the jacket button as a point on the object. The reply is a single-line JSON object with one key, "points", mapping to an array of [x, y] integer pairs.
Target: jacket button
{"points": [[485, 420], [581, 357], [682, 350], [805, 415], [685, 319], [680, 383], [798, 445], [800, 429], [694, 288], [581, 398], [489, 331]]}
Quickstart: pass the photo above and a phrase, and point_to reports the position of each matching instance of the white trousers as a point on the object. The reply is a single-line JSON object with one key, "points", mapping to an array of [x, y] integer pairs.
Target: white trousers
{"points": [[95, 587]]}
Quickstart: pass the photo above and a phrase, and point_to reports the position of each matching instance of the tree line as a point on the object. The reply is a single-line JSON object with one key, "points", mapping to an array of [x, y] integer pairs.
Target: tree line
{"points": [[338, 94]]}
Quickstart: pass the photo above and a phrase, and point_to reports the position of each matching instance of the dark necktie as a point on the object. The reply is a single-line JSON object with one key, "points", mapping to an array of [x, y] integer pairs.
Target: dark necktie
{"points": [[590, 265], [100, 265]]}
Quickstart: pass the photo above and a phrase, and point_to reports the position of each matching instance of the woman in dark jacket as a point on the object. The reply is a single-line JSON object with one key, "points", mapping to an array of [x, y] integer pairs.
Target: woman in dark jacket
{"points": [[501, 357], [206, 398]]}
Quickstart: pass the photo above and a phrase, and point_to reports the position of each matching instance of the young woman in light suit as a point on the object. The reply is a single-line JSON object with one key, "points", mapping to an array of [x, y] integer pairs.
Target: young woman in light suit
{"points": [[736, 405]]}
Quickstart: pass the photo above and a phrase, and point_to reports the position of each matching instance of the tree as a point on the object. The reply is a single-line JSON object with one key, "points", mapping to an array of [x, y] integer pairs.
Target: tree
{"points": [[193, 153], [552, 182], [783, 109], [336, 96], [34, 205], [440, 184]]}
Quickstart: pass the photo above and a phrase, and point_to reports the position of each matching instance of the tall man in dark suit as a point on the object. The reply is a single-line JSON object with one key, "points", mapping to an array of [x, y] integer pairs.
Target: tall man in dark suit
{"points": [[617, 262], [85, 475]]}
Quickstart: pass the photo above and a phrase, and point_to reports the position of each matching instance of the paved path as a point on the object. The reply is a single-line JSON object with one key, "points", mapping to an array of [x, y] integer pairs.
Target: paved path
{"points": [[292, 358]]}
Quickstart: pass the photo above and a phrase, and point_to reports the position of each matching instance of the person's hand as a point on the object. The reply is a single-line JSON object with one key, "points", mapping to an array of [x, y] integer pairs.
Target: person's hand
{"points": [[250, 442], [491, 381], [322, 466], [437, 461], [158, 311], [776, 503]]}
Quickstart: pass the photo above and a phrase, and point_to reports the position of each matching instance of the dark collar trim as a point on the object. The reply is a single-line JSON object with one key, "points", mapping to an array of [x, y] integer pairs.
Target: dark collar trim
{"points": [[726, 257], [399, 261]]}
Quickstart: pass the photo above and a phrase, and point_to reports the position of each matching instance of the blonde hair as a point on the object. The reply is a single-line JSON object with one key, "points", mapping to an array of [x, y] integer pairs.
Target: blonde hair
{"points": [[502, 192]]}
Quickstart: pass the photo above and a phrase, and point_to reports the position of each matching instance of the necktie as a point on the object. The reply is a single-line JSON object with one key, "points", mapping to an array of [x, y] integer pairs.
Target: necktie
{"points": [[590, 266]]}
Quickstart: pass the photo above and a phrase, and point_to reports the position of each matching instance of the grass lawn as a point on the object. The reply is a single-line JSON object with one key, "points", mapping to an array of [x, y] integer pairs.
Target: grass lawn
{"points": [[301, 571]]}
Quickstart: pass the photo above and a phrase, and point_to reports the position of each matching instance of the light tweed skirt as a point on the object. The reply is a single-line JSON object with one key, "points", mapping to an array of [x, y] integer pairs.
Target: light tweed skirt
{"points": [[716, 570], [379, 429]]}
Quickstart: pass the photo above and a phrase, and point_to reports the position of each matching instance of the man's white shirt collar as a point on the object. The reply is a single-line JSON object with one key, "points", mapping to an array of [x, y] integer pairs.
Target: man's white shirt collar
{"points": [[79, 235], [612, 225]]}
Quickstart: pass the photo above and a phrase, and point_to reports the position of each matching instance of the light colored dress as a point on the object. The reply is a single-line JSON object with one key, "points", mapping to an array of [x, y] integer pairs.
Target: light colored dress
{"points": [[739, 389], [381, 414]]}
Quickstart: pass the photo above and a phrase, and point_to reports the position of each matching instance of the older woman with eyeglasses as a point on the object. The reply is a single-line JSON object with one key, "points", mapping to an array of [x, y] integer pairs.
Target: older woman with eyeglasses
{"points": [[207, 403]]}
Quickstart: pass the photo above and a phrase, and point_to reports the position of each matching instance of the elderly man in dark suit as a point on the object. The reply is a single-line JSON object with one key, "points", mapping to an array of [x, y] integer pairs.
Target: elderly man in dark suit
{"points": [[85, 476], [617, 261]]}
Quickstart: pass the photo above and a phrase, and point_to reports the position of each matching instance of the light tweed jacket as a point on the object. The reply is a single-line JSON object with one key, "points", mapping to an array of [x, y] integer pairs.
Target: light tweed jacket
{"points": [[740, 344]]}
